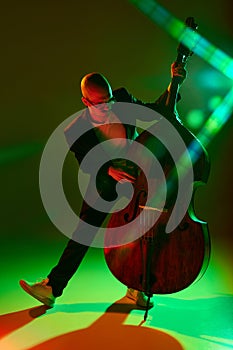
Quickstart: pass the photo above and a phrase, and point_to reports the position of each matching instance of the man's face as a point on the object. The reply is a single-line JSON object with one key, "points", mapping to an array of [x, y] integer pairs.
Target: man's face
{"points": [[99, 102]]}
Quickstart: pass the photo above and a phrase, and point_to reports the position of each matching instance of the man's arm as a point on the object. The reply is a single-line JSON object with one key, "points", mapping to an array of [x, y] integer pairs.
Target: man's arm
{"points": [[159, 105]]}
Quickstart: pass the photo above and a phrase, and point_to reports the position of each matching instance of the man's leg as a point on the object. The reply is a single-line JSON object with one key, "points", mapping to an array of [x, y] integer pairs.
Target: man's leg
{"points": [[68, 264], [51, 287]]}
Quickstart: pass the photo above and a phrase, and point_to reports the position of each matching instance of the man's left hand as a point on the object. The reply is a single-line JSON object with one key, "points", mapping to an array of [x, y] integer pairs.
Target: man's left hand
{"points": [[178, 70]]}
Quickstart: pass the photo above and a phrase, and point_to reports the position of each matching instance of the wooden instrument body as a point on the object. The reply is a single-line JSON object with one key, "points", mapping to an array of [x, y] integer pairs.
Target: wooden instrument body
{"points": [[174, 260], [160, 262]]}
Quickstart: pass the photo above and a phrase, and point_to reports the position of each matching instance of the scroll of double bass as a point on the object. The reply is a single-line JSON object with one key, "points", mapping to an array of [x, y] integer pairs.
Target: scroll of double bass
{"points": [[158, 262]]}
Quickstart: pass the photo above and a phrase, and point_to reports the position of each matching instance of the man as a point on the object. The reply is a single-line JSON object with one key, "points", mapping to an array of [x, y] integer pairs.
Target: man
{"points": [[99, 98]]}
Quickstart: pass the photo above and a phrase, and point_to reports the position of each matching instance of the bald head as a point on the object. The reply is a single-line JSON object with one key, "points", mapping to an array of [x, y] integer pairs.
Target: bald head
{"points": [[95, 87]]}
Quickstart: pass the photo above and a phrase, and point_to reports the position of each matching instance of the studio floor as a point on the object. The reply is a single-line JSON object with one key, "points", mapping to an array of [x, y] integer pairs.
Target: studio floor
{"points": [[93, 312]]}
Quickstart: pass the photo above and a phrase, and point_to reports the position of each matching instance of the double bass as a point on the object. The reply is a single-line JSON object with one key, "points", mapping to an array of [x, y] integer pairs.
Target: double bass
{"points": [[159, 262]]}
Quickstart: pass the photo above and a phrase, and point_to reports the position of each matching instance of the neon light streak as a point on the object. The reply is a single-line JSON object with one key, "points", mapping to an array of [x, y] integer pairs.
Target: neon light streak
{"points": [[203, 48], [217, 119], [213, 124], [194, 41]]}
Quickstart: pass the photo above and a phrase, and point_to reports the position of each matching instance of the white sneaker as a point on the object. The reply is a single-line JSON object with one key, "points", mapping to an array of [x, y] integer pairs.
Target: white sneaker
{"points": [[139, 297], [40, 291]]}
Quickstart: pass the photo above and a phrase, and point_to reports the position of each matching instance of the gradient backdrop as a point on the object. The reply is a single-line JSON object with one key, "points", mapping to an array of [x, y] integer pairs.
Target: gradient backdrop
{"points": [[46, 47]]}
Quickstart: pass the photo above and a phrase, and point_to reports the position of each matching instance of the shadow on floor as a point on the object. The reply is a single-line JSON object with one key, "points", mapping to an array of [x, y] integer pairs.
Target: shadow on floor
{"points": [[107, 332]]}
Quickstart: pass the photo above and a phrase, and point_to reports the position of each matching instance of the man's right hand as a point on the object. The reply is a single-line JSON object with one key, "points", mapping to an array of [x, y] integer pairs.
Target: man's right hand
{"points": [[120, 175]]}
